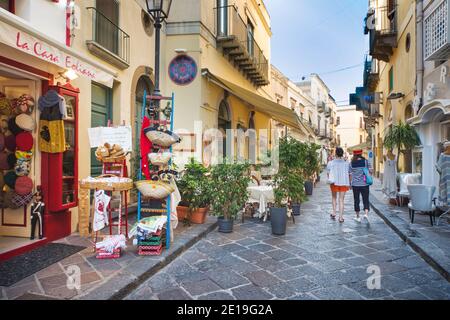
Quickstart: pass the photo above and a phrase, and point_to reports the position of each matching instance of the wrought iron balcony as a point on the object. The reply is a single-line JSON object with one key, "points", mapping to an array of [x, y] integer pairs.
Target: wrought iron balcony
{"points": [[381, 25], [236, 39], [321, 106], [371, 74], [109, 42]]}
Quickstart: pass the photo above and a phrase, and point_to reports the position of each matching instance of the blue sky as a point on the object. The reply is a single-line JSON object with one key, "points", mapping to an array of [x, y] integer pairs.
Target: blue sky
{"points": [[319, 36]]}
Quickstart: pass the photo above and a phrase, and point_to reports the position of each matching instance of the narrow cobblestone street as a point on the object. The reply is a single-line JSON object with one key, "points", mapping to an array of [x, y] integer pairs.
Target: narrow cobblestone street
{"points": [[317, 259]]}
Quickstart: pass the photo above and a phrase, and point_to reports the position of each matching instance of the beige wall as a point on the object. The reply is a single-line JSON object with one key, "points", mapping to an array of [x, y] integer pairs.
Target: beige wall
{"points": [[349, 129]]}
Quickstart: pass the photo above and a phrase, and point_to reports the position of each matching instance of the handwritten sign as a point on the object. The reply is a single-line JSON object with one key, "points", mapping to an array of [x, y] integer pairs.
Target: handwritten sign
{"points": [[36, 47], [112, 135]]}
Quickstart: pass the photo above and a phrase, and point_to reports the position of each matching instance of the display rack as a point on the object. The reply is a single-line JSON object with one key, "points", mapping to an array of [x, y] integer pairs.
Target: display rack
{"points": [[160, 209]]}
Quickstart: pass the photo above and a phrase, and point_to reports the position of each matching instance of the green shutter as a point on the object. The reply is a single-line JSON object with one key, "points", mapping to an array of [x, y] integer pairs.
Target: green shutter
{"points": [[100, 114], [391, 79]]}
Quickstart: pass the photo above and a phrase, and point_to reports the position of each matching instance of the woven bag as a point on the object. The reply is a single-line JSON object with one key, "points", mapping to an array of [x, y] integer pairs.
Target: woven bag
{"points": [[160, 159], [154, 189], [163, 138]]}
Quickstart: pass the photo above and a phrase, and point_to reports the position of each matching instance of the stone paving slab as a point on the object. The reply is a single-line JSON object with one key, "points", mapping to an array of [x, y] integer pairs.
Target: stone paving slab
{"points": [[432, 243], [318, 258], [105, 279]]}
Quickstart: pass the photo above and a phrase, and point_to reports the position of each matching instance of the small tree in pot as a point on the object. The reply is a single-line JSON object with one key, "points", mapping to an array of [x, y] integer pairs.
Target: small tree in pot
{"points": [[288, 184], [229, 183], [194, 190], [310, 164]]}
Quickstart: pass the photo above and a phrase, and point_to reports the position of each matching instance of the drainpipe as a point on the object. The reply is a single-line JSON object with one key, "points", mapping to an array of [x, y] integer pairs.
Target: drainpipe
{"points": [[419, 49]]}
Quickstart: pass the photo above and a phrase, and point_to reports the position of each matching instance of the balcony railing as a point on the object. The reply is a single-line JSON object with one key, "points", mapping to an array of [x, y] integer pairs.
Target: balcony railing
{"points": [[109, 42], [437, 35], [237, 41], [381, 25], [320, 106], [371, 73]]}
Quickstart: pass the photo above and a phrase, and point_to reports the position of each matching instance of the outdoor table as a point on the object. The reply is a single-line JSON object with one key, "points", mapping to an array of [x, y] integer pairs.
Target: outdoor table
{"points": [[263, 195]]}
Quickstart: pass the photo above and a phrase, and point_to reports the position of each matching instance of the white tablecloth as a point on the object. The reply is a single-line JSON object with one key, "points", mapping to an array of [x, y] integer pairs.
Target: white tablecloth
{"points": [[262, 195]]}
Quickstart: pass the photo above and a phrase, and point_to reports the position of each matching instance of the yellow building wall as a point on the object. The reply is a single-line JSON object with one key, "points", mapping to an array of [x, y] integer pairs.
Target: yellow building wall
{"points": [[404, 67]]}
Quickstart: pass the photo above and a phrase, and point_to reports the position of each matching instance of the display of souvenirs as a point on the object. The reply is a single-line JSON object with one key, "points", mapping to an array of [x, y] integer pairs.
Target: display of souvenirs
{"points": [[16, 149], [108, 153], [101, 203], [37, 215], [110, 244]]}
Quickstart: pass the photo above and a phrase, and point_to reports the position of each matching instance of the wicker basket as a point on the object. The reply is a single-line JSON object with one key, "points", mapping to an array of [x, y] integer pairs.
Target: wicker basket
{"points": [[163, 138], [154, 189], [124, 185], [160, 159]]}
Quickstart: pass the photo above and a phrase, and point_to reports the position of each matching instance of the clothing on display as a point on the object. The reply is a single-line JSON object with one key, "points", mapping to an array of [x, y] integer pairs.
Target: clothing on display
{"points": [[390, 178], [112, 243], [102, 201], [443, 167], [51, 125]]}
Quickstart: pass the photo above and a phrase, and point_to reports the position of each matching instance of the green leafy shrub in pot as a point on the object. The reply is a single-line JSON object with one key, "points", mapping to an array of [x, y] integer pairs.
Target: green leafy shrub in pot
{"points": [[288, 182], [229, 183], [310, 164], [194, 187]]}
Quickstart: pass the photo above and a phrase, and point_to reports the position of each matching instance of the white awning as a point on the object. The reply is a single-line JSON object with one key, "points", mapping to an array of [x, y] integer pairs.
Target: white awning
{"points": [[17, 33], [276, 111]]}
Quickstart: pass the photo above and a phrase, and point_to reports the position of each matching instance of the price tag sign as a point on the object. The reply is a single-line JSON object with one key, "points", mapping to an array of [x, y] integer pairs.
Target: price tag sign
{"points": [[112, 135]]}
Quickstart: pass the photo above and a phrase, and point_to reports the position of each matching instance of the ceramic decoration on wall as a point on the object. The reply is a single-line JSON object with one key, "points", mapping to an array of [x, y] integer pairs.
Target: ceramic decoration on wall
{"points": [[183, 70]]}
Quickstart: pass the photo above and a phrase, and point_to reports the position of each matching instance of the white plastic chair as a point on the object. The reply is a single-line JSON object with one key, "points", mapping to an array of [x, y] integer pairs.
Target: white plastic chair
{"points": [[405, 180], [421, 199]]}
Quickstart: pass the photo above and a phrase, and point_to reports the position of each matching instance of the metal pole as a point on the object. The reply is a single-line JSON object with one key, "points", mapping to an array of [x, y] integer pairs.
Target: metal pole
{"points": [[158, 25]]}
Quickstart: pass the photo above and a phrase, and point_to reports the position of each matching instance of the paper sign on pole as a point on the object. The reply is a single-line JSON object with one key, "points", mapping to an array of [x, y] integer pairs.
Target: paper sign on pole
{"points": [[112, 135]]}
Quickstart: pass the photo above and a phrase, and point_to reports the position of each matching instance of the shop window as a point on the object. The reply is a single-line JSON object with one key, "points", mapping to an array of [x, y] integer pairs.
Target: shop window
{"points": [[8, 5]]}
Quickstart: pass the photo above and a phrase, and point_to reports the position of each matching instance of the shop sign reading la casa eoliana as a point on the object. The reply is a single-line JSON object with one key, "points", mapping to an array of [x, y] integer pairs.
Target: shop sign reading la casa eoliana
{"points": [[42, 50]]}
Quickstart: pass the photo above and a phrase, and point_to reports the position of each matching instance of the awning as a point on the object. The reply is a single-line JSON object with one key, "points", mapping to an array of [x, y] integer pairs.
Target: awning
{"points": [[276, 111], [16, 33]]}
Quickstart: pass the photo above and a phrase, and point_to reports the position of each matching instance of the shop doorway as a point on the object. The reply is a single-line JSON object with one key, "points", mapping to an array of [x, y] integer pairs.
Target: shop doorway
{"points": [[15, 226], [101, 114]]}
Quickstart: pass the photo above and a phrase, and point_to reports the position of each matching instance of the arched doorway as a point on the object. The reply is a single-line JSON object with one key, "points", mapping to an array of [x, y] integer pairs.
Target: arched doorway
{"points": [[224, 124], [144, 84]]}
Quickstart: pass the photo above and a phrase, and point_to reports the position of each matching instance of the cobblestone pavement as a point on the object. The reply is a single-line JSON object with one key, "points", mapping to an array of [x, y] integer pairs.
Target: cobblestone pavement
{"points": [[317, 259]]}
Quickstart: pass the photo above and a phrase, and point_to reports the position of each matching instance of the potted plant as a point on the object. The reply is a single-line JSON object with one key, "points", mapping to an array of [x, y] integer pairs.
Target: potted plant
{"points": [[403, 137], [194, 190], [229, 182], [310, 165], [288, 184]]}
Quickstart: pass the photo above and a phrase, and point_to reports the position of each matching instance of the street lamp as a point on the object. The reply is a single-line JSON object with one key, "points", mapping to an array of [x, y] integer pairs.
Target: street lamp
{"points": [[159, 10]]}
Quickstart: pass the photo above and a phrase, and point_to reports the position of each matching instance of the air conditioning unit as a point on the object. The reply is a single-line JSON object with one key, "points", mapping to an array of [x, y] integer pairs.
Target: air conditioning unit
{"points": [[437, 35]]}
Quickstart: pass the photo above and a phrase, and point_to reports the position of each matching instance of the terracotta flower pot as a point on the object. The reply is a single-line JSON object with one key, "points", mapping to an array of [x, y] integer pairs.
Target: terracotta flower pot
{"points": [[182, 213], [199, 216]]}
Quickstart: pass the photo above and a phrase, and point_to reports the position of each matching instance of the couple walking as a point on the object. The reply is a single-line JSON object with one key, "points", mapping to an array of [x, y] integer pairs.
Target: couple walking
{"points": [[342, 175]]}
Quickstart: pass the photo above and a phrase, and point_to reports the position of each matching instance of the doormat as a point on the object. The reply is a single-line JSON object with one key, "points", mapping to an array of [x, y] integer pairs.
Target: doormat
{"points": [[20, 267]]}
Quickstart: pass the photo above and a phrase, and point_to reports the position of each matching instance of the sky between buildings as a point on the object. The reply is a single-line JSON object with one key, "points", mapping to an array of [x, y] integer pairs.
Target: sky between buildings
{"points": [[320, 36]]}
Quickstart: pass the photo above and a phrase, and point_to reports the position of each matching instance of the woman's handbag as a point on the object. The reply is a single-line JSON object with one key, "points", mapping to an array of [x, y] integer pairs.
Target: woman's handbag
{"points": [[154, 189], [367, 177], [162, 137], [160, 159]]}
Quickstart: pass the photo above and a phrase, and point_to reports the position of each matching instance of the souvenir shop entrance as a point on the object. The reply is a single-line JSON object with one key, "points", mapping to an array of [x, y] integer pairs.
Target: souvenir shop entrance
{"points": [[18, 93]]}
